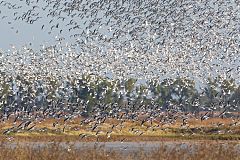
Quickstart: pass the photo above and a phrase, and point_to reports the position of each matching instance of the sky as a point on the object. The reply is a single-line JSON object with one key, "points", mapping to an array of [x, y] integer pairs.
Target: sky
{"points": [[19, 33]]}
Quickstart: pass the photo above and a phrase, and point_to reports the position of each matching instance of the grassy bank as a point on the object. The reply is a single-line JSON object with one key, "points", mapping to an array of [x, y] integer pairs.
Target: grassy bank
{"points": [[115, 130]]}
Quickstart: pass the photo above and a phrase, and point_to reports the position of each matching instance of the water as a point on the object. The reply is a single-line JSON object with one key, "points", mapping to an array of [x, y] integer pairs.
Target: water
{"points": [[126, 148]]}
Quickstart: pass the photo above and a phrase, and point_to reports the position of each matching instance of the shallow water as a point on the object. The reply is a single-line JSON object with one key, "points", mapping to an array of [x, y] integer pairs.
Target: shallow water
{"points": [[126, 147]]}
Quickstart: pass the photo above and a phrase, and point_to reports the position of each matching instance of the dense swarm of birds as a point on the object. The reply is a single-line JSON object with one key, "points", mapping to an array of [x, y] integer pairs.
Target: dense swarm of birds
{"points": [[147, 39], [110, 48]]}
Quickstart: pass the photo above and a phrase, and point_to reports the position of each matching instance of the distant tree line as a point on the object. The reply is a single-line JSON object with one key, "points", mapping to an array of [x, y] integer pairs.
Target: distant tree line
{"points": [[89, 93]]}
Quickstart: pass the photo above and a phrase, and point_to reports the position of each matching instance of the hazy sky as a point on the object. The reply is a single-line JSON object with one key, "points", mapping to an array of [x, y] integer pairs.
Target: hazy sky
{"points": [[18, 32]]}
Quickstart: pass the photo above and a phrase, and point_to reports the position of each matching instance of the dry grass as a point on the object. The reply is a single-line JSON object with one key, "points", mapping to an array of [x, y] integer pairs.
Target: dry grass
{"points": [[204, 151], [128, 130]]}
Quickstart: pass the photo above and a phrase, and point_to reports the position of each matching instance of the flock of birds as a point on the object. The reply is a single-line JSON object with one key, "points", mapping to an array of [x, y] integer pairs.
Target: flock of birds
{"points": [[142, 39], [121, 39]]}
